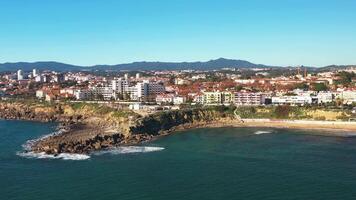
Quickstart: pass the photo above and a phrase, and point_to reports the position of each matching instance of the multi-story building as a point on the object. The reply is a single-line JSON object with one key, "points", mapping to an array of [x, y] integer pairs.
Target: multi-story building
{"points": [[325, 97], [216, 98], [249, 98], [177, 100], [347, 96], [212, 98], [34, 73], [105, 92], [120, 85], [164, 98], [58, 78], [20, 75], [82, 94], [292, 100], [155, 88]]}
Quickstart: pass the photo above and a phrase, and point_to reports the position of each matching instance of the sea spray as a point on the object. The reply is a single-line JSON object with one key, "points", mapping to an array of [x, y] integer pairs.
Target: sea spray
{"points": [[62, 156], [29, 143], [128, 149], [27, 153], [262, 132]]}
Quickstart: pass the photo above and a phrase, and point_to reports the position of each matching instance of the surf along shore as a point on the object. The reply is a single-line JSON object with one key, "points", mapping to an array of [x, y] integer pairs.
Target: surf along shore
{"points": [[89, 127]]}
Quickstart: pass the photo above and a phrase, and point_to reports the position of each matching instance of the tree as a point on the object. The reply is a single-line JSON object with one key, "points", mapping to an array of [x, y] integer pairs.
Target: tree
{"points": [[320, 87], [345, 78], [238, 88], [302, 86]]}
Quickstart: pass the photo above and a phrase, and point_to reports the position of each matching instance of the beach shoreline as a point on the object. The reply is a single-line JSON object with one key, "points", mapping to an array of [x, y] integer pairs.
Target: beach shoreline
{"points": [[328, 128]]}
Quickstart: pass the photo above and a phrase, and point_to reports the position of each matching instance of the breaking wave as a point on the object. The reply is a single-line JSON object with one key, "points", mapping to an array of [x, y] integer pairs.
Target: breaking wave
{"points": [[62, 156], [27, 153], [128, 149], [73, 156], [29, 143], [262, 132]]}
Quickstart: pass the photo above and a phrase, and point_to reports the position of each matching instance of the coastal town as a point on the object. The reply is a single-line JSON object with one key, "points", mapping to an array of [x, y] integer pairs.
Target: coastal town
{"points": [[100, 109], [166, 90]]}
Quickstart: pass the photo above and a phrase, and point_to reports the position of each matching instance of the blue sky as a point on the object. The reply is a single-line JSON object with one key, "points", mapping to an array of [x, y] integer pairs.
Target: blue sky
{"points": [[88, 32]]}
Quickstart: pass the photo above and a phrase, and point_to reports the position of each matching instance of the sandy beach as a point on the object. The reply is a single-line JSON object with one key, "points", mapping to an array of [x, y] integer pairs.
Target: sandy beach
{"points": [[331, 127]]}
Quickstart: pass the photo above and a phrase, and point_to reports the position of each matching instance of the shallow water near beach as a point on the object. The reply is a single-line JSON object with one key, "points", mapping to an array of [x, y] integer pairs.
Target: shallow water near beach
{"points": [[219, 163]]}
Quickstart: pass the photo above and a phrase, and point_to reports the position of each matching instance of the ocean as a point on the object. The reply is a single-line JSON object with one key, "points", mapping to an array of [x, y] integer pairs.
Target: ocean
{"points": [[209, 163]]}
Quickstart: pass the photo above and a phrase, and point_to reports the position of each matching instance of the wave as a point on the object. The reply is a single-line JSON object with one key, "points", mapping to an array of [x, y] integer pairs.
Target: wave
{"points": [[262, 132], [128, 149], [73, 156], [63, 156], [27, 153], [29, 143]]}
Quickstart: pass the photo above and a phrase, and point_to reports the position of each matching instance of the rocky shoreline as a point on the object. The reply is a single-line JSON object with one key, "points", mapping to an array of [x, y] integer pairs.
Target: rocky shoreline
{"points": [[85, 138], [84, 132]]}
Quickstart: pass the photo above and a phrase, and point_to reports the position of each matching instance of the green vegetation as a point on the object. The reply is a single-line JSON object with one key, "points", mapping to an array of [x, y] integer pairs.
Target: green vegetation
{"points": [[273, 112], [320, 87], [345, 78], [302, 86]]}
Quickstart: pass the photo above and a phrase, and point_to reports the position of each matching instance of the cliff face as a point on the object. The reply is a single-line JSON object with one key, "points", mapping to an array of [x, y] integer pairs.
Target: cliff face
{"points": [[161, 122]]}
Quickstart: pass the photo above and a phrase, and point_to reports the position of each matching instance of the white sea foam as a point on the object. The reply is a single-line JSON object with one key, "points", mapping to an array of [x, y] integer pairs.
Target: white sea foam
{"points": [[63, 156], [29, 143], [262, 132], [72, 156], [42, 155], [128, 149]]}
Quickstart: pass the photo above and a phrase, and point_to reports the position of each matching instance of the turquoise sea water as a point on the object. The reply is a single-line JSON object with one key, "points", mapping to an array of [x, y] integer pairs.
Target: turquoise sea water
{"points": [[223, 163]]}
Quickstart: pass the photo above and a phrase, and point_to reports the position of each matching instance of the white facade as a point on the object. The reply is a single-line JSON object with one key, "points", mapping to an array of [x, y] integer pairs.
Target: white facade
{"points": [[325, 97], [179, 100], [20, 75], [34, 72], [164, 98], [120, 85], [39, 79], [82, 94], [40, 94], [348, 97], [292, 100]]}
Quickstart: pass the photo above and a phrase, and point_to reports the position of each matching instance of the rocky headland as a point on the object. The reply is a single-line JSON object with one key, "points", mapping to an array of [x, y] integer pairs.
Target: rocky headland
{"points": [[86, 127]]}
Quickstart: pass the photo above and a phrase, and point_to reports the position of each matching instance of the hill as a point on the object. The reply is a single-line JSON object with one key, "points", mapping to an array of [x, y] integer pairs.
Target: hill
{"points": [[57, 66]]}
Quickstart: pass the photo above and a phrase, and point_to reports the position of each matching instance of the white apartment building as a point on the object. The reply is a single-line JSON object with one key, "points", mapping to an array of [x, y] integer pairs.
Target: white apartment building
{"points": [[325, 97], [177, 100], [34, 72], [105, 91], [292, 100], [348, 97], [120, 85], [82, 94], [20, 75], [164, 98]]}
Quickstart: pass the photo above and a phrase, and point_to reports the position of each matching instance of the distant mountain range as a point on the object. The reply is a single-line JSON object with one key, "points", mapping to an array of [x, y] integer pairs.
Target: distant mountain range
{"points": [[209, 65]]}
